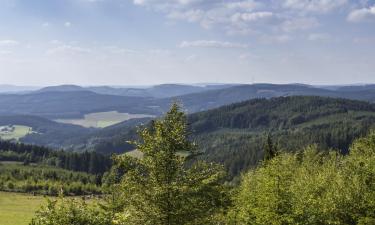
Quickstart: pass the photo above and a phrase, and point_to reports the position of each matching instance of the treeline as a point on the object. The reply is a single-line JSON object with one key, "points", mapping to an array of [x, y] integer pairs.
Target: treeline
{"points": [[46, 180], [309, 186], [234, 135], [90, 162]]}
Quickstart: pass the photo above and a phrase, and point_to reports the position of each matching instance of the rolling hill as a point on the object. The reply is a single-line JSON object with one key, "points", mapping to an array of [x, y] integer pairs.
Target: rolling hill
{"points": [[234, 135], [73, 102], [45, 132]]}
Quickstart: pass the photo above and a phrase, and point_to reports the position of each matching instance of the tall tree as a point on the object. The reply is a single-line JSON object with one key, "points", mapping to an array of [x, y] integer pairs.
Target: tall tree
{"points": [[270, 149], [159, 188]]}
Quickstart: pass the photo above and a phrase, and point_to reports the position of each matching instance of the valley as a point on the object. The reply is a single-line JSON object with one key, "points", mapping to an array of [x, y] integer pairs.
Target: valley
{"points": [[44, 151], [15, 132], [102, 119]]}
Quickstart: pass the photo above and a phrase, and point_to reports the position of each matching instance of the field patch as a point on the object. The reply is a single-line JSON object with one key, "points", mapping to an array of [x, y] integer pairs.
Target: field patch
{"points": [[16, 132], [18, 209], [102, 119]]}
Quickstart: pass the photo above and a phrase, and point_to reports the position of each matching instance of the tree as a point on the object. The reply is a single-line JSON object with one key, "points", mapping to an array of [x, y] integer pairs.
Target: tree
{"points": [[270, 149], [160, 188]]}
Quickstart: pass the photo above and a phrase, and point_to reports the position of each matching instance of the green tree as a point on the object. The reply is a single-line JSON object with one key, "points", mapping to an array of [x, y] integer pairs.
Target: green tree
{"points": [[160, 188], [270, 149]]}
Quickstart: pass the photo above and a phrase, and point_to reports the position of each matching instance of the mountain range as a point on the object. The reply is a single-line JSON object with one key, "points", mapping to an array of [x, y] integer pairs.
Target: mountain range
{"points": [[228, 122]]}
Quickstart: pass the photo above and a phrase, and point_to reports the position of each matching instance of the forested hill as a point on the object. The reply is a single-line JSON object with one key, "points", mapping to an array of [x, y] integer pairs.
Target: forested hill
{"points": [[45, 132], [74, 102], [275, 113], [215, 98], [71, 104], [235, 134]]}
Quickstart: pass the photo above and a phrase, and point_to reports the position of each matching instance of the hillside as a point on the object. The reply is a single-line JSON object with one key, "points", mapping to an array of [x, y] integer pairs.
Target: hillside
{"points": [[215, 98], [235, 134], [73, 102], [45, 132], [156, 91]]}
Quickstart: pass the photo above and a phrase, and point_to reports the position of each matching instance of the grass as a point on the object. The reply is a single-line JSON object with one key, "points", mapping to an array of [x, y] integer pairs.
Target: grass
{"points": [[102, 119], [14, 132], [18, 209]]}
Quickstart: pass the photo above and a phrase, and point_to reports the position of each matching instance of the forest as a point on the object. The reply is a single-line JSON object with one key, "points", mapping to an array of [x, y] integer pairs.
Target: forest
{"points": [[165, 187]]}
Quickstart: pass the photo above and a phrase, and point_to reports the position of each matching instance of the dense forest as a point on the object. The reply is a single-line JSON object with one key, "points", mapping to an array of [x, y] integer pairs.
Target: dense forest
{"points": [[90, 162], [234, 135], [164, 187], [46, 180]]}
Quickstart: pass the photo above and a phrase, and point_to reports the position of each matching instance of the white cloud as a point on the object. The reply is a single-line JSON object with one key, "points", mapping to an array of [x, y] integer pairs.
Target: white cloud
{"points": [[319, 37], [46, 24], [319, 6], [245, 17], [190, 15], [5, 52], [67, 24], [363, 14], [211, 44], [252, 17], [56, 42], [67, 49], [299, 24], [191, 58], [8, 43], [279, 39]]}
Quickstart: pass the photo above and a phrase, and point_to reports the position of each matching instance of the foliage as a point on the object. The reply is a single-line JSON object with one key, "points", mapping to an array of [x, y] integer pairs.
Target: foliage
{"points": [[65, 211], [46, 180], [233, 135], [90, 162], [310, 188], [159, 188]]}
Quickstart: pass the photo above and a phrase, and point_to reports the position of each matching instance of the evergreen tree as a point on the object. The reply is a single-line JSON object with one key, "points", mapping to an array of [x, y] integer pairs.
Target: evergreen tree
{"points": [[159, 188], [270, 149]]}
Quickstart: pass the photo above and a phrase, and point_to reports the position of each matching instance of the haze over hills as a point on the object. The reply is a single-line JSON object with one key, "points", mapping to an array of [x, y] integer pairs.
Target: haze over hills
{"points": [[38, 108], [70, 101]]}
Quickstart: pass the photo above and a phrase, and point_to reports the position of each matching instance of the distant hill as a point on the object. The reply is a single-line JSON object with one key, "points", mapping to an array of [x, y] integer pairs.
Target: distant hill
{"points": [[215, 98], [62, 88], [234, 134], [72, 104], [46, 132], [6, 88], [157, 91]]}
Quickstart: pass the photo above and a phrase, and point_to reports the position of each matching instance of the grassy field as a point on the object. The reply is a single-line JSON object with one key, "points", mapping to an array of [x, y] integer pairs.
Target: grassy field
{"points": [[102, 119], [18, 209], [14, 132]]}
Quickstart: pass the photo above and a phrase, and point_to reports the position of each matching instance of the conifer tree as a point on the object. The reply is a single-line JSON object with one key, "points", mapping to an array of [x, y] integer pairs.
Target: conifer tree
{"points": [[270, 149], [159, 188]]}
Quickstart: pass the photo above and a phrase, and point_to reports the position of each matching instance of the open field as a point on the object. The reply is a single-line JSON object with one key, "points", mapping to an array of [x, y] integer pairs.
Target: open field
{"points": [[18, 209], [14, 131], [102, 119]]}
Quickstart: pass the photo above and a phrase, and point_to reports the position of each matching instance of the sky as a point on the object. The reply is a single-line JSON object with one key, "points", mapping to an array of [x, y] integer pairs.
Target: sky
{"points": [[143, 42]]}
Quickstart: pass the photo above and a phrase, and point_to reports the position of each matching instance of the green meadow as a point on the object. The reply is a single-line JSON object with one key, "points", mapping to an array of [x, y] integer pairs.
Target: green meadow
{"points": [[18, 209], [102, 119], [14, 132]]}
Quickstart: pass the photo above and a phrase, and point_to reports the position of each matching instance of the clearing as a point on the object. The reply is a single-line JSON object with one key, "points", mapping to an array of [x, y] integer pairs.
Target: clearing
{"points": [[14, 132], [102, 119]]}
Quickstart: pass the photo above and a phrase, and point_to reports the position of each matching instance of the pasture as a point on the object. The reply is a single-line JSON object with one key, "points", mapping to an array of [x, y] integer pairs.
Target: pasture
{"points": [[102, 119], [14, 132], [18, 209]]}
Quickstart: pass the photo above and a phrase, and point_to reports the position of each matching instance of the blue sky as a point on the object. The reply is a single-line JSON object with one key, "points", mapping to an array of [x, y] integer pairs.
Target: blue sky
{"points": [[135, 42]]}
